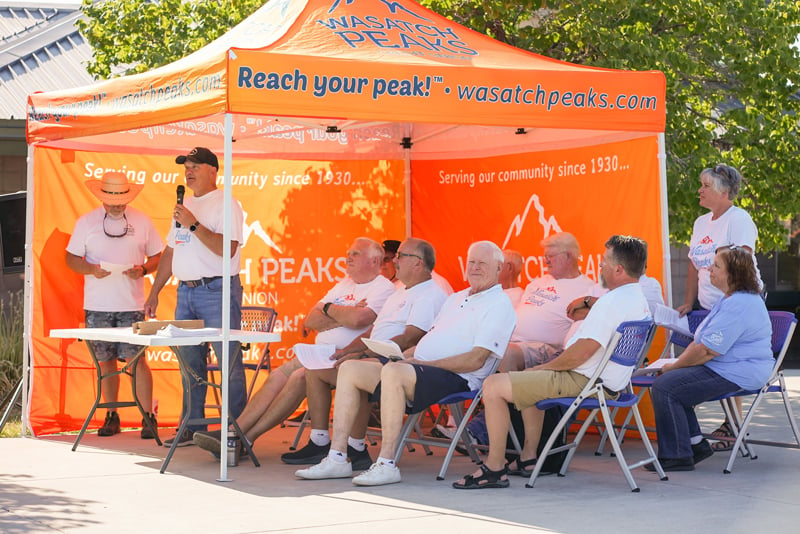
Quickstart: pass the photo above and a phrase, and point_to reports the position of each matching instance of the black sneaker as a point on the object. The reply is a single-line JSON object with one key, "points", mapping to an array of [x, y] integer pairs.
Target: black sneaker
{"points": [[208, 441], [183, 441], [111, 425], [309, 455], [673, 464], [146, 433], [360, 460], [701, 451]]}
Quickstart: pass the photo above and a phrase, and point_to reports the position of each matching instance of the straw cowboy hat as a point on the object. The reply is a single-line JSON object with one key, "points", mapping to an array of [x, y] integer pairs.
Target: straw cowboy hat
{"points": [[114, 189]]}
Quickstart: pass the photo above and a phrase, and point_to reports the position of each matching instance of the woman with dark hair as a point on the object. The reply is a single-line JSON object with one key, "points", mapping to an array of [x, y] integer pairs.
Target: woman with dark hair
{"points": [[731, 351]]}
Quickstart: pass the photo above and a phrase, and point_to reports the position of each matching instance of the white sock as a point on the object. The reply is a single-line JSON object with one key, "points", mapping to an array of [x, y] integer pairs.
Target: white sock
{"points": [[357, 444], [337, 456], [696, 439], [320, 437], [387, 461]]}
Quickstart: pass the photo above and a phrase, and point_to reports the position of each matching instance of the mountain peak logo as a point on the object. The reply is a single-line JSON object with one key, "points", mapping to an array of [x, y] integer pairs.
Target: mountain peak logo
{"points": [[706, 241], [256, 228], [549, 224], [391, 5]]}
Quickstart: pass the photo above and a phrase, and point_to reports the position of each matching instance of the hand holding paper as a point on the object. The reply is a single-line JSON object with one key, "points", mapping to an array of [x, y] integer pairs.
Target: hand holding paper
{"points": [[314, 356], [388, 349], [669, 318]]}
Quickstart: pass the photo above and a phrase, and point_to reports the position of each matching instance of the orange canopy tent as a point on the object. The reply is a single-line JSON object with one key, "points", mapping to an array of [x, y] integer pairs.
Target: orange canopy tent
{"points": [[339, 118]]}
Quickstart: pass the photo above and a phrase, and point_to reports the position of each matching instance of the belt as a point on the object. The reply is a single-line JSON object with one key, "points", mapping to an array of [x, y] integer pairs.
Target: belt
{"points": [[202, 282]]}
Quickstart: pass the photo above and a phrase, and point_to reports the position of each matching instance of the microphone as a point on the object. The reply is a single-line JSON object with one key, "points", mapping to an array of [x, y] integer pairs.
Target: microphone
{"points": [[180, 191]]}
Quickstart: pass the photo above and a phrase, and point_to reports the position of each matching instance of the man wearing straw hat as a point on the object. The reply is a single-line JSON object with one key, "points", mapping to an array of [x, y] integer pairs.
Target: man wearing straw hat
{"points": [[114, 247]]}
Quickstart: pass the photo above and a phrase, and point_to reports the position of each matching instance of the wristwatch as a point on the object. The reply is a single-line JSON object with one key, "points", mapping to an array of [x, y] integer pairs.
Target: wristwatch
{"points": [[325, 308], [587, 301], [194, 226]]}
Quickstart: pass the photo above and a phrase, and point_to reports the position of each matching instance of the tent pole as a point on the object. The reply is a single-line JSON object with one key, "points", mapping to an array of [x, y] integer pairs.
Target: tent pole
{"points": [[27, 313], [407, 178], [662, 172], [226, 299]]}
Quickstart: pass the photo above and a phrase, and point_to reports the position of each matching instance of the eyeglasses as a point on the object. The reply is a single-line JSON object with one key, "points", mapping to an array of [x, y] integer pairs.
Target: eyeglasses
{"points": [[549, 257], [124, 232], [404, 255]]}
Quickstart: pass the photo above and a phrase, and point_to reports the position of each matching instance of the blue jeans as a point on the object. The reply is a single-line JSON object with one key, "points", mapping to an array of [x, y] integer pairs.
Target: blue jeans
{"points": [[675, 394], [205, 302]]}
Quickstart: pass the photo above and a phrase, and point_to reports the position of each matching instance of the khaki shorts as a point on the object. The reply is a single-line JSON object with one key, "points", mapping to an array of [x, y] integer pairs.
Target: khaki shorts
{"points": [[530, 387], [536, 353]]}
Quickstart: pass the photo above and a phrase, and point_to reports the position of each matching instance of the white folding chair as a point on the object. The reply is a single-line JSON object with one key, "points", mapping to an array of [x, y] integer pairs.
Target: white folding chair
{"points": [[626, 348], [783, 326]]}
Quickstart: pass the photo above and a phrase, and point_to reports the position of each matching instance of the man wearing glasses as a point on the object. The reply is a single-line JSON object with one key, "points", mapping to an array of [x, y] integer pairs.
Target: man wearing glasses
{"points": [[114, 247], [542, 321]]}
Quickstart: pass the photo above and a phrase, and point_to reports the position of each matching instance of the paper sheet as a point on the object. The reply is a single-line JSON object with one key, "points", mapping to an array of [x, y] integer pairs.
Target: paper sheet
{"points": [[115, 268], [669, 318], [174, 331], [389, 349], [314, 356], [654, 367]]}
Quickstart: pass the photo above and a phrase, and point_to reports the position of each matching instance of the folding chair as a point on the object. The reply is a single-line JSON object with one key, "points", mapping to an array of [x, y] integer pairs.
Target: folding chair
{"points": [[627, 348], [254, 319], [455, 403], [783, 325], [643, 382]]}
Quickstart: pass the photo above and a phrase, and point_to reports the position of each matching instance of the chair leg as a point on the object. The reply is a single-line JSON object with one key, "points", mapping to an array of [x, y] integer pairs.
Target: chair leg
{"points": [[301, 427], [552, 439], [411, 422], [623, 465]]}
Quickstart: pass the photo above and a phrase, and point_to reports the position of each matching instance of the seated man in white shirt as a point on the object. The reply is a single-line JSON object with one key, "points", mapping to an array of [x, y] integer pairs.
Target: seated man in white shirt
{"points": [[509, 275], [622, 265], [407, 315], [542, 320], [344, 313], [473, 327]]}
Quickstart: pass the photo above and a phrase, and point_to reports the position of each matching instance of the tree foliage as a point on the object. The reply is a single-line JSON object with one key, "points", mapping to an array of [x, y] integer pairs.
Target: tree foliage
{"points": [[731, 70]]}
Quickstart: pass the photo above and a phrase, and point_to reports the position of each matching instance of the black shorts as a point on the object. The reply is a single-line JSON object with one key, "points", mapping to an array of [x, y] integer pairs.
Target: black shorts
{"points": [[433, 384]]}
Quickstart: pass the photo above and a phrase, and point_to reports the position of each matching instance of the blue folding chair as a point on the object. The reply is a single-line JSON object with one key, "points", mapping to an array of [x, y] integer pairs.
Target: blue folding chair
{"points": [[627, 348], [644, 382], [783, 326], [455, 403]]}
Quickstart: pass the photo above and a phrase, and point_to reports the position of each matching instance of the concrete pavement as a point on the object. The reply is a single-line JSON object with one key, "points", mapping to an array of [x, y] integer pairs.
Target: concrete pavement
{"points": [[114, 484]]}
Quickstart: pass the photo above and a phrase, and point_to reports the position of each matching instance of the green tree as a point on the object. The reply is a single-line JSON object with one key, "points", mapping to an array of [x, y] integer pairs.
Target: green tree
{"points": [[732, 81], [130, 36], [731, 71]]}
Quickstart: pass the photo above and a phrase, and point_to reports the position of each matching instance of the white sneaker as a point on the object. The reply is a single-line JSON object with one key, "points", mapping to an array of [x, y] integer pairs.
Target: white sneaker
{"points": [[327, 468], [379, 474]]}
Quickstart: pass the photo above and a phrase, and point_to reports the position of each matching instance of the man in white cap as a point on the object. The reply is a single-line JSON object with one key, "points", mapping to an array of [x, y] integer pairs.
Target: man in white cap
{"points": [[194, 255], [114, 247]]}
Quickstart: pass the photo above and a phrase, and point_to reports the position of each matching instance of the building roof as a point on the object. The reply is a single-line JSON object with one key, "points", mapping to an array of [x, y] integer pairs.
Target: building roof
{"points": [[40, 50]]}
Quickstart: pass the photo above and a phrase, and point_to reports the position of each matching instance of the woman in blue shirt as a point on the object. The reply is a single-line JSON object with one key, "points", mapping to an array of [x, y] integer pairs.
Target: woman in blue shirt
{"points": [[731, 351]]}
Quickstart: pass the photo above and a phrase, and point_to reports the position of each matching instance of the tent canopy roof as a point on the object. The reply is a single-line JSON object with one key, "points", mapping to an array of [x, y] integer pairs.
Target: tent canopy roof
{"points": [[377, 70]]}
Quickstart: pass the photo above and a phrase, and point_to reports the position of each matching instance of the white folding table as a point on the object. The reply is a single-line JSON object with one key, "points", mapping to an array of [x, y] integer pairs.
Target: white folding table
{"points": [[188, 378]]}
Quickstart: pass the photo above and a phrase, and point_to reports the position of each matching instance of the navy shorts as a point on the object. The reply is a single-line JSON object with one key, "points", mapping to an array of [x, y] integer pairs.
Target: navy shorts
{"points": [[433, 384]]}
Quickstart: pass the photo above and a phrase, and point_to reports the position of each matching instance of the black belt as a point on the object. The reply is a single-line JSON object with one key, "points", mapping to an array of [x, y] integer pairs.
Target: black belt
{"points": [[202, 282]]}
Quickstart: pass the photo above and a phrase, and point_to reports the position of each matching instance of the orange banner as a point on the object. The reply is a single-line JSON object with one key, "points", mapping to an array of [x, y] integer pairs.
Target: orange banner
{"points": [[516, 201], [300, 216]]}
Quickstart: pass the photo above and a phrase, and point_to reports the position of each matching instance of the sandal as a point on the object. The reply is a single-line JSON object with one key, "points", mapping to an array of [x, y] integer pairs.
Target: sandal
{"points": [[724, 431], [521, 469], [488, 479]]}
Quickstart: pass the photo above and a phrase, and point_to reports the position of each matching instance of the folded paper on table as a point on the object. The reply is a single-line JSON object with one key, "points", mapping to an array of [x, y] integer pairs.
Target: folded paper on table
{"points": [[147, 328], [314, 356], [669, 318], [654, 367], [175, 331], [115, 268], [389, 349]]}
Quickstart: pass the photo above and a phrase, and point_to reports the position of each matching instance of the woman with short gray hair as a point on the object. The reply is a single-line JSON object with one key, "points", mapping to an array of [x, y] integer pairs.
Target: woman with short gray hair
{"points": [[724, 225]]}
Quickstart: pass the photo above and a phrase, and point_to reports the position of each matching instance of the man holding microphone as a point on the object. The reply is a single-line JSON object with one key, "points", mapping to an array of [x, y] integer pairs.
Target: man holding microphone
{"points": [[194, 255]]}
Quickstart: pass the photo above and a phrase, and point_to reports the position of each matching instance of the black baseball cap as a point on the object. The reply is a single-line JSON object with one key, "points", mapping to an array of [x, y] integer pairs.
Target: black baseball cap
{"points": [[199, 154]]}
